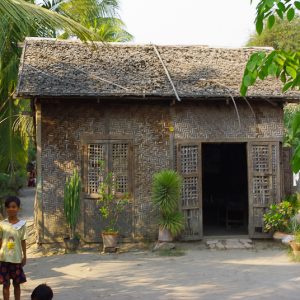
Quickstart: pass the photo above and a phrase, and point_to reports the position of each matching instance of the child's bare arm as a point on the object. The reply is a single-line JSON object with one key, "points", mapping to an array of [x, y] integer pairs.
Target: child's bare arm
{"points": [[23, 243]]}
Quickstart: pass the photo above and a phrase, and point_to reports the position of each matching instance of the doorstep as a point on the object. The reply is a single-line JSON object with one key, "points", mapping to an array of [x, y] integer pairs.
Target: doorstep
{"points": [[229, 243]]}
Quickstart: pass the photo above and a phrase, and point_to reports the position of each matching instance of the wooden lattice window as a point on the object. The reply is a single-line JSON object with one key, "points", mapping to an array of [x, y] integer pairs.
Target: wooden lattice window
{"points": [[188, 165], [264, 171], [106, 157], [189, 159], [264, 184], [95, 175]]}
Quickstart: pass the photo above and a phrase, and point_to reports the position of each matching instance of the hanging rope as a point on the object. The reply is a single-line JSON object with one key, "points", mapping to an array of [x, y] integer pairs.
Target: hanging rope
{"points": [[167, 73]]}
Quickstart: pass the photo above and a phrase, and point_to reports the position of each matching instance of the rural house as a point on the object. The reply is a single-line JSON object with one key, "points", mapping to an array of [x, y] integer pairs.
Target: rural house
{"points": [[143, 108]]}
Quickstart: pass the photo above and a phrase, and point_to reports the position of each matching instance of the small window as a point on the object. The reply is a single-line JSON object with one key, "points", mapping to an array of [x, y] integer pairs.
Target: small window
{"points": [[107, 157]]}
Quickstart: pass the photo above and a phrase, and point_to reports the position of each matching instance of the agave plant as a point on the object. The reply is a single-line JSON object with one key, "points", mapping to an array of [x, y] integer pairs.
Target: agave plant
{"points": [[166, 192], [72, 201]]}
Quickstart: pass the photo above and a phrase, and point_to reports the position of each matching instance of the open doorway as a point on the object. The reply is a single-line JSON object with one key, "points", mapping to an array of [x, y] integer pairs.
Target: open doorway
{"points": [[225, 188]]}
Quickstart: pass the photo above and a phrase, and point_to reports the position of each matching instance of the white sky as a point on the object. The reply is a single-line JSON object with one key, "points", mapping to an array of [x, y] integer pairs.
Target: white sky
{"points": [[226, 23]]}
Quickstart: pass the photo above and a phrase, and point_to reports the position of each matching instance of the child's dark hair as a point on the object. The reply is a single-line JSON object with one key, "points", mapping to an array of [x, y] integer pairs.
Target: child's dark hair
{"points": [[11, 199], [42, 292]]}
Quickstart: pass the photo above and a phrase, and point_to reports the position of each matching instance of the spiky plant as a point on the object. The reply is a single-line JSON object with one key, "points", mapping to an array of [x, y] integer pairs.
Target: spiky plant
{"points": [[166, 192], [173, 222], [72, 201]]}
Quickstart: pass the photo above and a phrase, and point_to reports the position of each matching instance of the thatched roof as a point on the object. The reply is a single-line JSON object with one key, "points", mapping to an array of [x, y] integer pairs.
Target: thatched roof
{"points": [[70, 68]]}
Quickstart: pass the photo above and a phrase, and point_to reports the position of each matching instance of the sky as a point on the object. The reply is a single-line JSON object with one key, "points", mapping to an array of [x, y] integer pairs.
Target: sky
{"points": [[216, 23]]}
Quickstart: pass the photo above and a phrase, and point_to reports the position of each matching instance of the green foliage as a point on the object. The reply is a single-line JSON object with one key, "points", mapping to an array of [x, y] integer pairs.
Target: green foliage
{"points": [[72, 201], [22, 18], [284, 35], [173, 221], [166, 190], [279, 216], [297, 237], [111, 203], [13, 149], [279, 63], [294, 226], [9, 185], [268, 9], [285, 65], [293, 138], [98, 16]]}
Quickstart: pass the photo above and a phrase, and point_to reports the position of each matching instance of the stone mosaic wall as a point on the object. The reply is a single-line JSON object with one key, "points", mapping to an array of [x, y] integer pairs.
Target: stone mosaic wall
{"points": [[149, 125]]}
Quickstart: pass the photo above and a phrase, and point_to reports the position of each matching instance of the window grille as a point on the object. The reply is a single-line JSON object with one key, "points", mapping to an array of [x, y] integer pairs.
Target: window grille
{"points": [[189, 155], [105, 157], [95, 173]]}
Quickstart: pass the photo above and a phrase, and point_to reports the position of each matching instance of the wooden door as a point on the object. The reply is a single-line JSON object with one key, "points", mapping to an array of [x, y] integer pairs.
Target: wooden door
{"points": [[189, 166], [264, 183]]}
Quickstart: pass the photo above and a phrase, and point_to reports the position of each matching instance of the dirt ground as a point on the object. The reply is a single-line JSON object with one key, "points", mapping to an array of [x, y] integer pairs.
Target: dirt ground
{"points": [[263, 273]]}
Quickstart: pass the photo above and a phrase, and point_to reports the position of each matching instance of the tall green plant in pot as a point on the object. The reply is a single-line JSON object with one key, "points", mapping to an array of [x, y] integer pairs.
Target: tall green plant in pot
{"points": [[166, 191], [72, 208]]}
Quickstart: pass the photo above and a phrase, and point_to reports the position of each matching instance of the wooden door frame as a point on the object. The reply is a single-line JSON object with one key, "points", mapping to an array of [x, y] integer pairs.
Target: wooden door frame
{"points": [[247, 142]]}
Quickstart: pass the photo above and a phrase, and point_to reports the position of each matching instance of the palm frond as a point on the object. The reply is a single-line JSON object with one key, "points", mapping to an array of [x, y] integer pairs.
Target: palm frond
{"points": [[110, 30], [21, 14]]}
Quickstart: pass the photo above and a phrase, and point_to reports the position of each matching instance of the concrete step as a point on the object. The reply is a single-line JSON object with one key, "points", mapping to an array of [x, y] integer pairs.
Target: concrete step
{"points": [[224, 244]]}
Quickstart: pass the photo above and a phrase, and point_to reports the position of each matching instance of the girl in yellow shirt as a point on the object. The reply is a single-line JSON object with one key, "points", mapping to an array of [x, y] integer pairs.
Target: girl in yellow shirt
{"points": [[12, 249]]}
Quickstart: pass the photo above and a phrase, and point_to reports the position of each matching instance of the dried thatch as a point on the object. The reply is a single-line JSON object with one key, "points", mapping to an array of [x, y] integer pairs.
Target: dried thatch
{"points": [[70, 68]]}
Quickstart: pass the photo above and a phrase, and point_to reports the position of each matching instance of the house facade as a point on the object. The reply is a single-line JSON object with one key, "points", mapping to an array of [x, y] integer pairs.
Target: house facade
{"points": [[144, 108]]}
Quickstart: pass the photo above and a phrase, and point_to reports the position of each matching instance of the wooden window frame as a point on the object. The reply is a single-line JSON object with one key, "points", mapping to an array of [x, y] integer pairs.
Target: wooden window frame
{"points": [[108, 142]]}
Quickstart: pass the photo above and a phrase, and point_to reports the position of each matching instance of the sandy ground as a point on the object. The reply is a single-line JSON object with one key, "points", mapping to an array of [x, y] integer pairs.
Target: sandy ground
{"points": [[27, 203], [263, 273], [198, 274]]}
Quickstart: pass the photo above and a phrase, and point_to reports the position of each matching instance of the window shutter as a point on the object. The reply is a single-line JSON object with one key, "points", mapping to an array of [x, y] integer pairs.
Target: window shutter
{"points": [[189, 167]]}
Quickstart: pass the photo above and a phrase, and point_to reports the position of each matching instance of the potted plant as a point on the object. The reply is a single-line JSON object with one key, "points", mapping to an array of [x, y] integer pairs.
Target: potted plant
{"points": [[72, 209], [111, 205], [166, 192], [277, 218]]}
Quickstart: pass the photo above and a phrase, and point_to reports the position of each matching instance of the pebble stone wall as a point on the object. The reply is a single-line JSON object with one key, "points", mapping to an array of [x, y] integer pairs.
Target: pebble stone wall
{"points": [[147, 124]]}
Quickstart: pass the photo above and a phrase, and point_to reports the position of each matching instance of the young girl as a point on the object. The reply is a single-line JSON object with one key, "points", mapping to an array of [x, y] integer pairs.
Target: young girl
{"points": [[13, 248]]}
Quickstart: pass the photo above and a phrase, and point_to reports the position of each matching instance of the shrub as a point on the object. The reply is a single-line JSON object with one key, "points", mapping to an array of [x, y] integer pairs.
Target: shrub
{"points": [[278, 217]]}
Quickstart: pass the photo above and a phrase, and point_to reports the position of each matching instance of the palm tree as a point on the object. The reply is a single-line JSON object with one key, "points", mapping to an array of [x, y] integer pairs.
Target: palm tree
{"points": [[50, 18], [101, 18]]}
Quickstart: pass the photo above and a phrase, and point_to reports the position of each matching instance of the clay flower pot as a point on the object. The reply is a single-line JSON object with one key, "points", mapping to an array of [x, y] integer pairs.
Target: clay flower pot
{"points": [[296, 248], [164, 235], [110, 241]]}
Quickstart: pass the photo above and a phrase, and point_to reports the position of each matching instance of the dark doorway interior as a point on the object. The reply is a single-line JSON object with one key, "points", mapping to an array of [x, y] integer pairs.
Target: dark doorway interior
{"points": [[225, 188]]}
